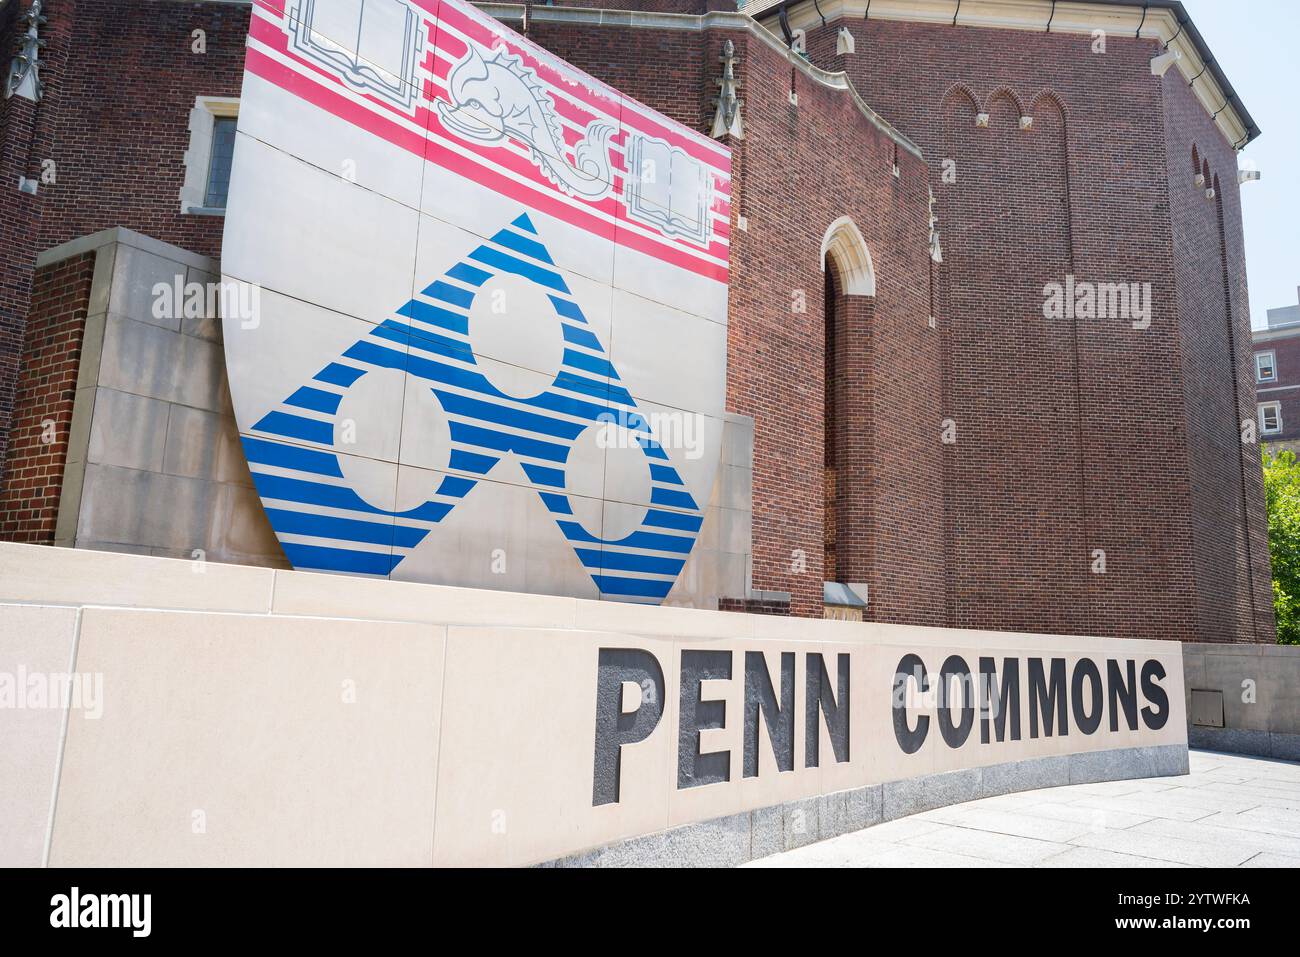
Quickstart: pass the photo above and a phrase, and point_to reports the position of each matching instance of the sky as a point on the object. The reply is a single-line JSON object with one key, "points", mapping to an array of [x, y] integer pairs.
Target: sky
{"points": [[1257, 44]]}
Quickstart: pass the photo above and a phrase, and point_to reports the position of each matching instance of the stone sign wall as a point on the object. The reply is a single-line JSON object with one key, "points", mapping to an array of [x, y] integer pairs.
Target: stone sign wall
{"points": [[222, 714]]}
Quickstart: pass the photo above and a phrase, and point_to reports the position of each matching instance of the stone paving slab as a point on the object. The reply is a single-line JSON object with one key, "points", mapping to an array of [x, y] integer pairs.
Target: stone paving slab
{"points": [[1246, 822], [1230, 811], [1020, 824], [895, 832], [1096, 857], [895, 855], [1094, 818], [1209, 801], [1273, 815], [1203, 833], [1160, 847], [1147, 805], [986, 845], [1272, 860], [1272, 797]]}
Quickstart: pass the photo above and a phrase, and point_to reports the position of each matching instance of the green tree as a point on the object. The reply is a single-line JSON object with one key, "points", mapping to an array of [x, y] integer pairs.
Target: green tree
{"points": [[1282, 498]]}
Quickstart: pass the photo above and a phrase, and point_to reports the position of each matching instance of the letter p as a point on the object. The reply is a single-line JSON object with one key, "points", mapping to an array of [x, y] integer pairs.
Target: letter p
{"points": [[616, 726]]}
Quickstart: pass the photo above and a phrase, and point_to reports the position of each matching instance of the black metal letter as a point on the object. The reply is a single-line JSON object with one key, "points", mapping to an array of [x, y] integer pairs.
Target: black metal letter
{"points": [[834, 708], [1043, 700], [614, 726], [693, 768], [910, 741], [760, 698]]}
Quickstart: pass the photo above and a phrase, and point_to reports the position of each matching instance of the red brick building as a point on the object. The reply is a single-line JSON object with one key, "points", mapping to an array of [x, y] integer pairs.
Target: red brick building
{"points": [[915, 183], [1277, 378]]}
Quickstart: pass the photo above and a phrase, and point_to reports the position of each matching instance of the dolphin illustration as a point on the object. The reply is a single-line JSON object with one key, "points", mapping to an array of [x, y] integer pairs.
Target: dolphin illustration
{"points": [[490, 100]]}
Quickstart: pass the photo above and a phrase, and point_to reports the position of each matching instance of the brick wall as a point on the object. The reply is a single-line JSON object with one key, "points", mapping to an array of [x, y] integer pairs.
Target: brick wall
{"points": [[1067, 441], [15, 275], [1286, 390], [46, 389], [1230, 556], [650, 6], [120, 151], [797, 171], [120, 80], [24, 142], [754, 606], [802, 168]]}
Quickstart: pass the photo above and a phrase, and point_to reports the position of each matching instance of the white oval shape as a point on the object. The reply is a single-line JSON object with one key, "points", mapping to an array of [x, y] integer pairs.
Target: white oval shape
{"points": [[512, 321]]}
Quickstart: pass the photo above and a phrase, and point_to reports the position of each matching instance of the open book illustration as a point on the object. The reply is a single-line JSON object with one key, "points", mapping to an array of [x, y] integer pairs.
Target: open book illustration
{"points": [[373, 44]]}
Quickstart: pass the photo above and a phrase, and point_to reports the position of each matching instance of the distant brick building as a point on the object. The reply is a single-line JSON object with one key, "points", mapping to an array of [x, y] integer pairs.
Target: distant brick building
{"points": [[1277, 378], [913, 189]]}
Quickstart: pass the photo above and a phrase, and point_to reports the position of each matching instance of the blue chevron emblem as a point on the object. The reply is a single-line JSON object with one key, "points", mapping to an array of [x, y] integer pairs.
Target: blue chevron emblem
{"points": [[324, 524]]}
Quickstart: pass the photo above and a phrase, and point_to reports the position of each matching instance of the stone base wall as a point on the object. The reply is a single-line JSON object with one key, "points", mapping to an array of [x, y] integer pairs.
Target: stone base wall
{"points": [[734, 840], [222, 715], [146, 457], [1244, 699]]}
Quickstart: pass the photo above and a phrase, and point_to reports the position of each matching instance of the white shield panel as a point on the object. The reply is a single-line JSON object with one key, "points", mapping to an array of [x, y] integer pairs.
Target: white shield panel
{"points": [[489, 338]]}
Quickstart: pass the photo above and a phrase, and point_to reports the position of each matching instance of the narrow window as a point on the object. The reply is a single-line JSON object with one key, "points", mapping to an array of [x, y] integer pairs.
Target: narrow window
{"points": [[1265, 367], [1270, 418], [223, 150], [207, 159], [830, 420]]}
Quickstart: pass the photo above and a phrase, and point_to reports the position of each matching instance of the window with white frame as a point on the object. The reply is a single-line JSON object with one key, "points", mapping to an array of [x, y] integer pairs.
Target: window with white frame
{"points": [[1270, 418], [1265, 367], [208, 160]]}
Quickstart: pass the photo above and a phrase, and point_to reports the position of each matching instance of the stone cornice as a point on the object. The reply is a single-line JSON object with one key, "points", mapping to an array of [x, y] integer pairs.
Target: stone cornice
{"points": [[722, 20], [719, 20], [1272, 335], [1163, 20]]}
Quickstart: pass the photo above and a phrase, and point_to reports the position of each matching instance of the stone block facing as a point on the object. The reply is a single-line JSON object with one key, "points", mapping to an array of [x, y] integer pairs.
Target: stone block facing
{"points": [[225, 690], [1257, 687], [132, 444], [717, 843]]}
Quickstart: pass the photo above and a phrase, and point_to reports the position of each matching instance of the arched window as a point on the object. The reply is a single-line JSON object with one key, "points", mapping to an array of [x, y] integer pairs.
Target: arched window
{"points": [[850, 284], [831, 421], [845, 245]]}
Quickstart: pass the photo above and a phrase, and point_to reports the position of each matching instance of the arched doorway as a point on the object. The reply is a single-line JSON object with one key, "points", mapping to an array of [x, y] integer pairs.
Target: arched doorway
{"points": [[849, 290], [830, 397]]}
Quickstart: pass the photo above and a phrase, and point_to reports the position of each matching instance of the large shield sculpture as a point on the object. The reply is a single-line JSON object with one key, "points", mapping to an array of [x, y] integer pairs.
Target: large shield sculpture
{"points": [[489, 341]]}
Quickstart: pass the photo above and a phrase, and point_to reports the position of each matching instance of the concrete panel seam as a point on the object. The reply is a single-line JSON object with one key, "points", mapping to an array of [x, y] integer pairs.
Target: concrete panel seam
{"points": [[437, 758], [63, 740]]}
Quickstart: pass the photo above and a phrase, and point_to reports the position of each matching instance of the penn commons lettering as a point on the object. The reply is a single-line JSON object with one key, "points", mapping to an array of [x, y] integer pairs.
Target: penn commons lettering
{"points": [[1016, 698]]}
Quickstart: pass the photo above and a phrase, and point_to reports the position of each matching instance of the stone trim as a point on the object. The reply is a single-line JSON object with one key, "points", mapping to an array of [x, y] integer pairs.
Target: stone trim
{"points": [[844, 244], [126, 237], [198, 157], [1160, 21], [1262, 744], [1156, 21], [715, 20], [750, 835], [1272, 335]]}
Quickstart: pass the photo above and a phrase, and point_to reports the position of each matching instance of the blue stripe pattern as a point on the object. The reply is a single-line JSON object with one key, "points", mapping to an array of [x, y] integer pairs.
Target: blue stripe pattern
{"points": [[294, 450]]}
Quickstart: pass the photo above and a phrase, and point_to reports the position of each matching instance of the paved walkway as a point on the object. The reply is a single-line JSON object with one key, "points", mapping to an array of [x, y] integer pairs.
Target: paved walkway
{"points": [[1231, 811]]}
